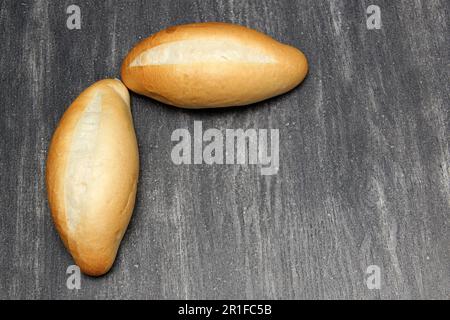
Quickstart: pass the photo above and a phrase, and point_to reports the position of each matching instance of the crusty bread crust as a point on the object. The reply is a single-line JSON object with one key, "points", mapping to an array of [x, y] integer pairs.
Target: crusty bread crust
{"points": [[91, 183], [220, 82]]}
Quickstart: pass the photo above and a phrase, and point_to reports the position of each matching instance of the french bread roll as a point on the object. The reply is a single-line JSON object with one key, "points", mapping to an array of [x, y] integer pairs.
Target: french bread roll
{"points": [[91, 175], [208, 65]]}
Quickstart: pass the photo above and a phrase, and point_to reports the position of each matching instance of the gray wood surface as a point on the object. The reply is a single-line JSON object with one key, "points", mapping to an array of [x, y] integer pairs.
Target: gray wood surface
{"points": [[364, 156]]}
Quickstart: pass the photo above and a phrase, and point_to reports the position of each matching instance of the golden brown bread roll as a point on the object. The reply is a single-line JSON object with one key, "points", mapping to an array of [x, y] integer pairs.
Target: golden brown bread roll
{"points": [[207, 65], [91, 175]]}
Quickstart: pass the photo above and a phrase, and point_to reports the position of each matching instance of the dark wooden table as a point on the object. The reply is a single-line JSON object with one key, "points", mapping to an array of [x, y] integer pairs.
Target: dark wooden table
{"points": [[364, 156]]}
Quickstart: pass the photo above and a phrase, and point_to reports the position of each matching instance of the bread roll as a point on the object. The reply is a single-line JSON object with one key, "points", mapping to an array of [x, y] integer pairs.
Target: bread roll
{"points": [[91, 175], [208, 65]]}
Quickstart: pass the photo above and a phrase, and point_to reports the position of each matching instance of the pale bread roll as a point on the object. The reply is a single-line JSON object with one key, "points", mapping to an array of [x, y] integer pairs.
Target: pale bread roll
{"points": [[92, 172], [207, 65]]}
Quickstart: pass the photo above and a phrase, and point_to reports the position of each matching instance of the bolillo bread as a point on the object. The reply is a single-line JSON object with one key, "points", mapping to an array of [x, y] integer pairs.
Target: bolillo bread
{"points": [[208, 65], [91, 175]]}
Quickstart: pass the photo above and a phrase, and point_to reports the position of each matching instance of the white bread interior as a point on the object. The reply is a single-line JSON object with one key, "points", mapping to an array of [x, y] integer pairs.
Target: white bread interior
{"points": [[81, 162], [201, 51]]}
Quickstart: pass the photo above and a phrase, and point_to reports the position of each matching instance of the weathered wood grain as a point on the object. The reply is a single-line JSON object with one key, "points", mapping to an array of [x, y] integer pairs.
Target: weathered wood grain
{"points": [[364, 156]]}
